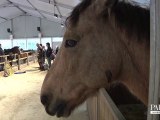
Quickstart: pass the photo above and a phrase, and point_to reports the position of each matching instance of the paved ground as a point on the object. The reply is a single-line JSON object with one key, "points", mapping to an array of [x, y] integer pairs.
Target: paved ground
{"points": [[19, 98]]}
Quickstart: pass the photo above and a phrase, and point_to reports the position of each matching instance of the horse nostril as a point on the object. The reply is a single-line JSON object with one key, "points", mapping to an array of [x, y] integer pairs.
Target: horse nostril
{"points": [[60, 107], [44, 99]]}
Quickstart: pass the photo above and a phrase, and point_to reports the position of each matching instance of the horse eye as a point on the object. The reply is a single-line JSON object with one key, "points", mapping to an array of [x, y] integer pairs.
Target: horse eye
{"points": [[70, 43]]}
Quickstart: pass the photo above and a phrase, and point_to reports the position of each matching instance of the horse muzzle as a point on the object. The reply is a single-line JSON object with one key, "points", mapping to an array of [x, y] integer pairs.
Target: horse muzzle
{"points": [[59, 108]]}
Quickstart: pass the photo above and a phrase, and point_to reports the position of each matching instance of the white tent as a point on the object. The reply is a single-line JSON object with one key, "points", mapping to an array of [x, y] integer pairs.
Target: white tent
{"points": [[23, 17], [48, 9]]}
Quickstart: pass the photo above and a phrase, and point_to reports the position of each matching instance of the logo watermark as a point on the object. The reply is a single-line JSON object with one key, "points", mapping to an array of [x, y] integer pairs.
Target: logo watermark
{"points": [[155, 109]]}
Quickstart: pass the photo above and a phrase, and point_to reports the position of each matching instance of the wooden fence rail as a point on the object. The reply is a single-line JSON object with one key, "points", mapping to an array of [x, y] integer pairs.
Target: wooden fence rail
{"points": [[18, 59], [101, 107]]}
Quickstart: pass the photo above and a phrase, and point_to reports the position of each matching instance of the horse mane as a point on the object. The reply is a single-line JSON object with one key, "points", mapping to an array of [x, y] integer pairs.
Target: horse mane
{"points": [[74, 16], [133, 19]]}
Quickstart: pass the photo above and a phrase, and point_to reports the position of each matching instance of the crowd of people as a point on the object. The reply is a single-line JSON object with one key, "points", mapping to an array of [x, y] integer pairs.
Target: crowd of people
{"points": [[45, 54]]}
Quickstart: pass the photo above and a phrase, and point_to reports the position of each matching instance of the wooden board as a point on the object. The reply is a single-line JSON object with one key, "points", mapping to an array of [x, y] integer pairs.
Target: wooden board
{"points": [[154, 84]]}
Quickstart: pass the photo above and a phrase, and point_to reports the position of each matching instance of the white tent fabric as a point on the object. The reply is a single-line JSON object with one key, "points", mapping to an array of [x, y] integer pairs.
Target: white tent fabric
{"points": [[47, 9]]}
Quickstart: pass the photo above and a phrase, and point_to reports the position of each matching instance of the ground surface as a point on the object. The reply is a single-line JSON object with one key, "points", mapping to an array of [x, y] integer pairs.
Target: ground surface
{"points": [[19, 98]]}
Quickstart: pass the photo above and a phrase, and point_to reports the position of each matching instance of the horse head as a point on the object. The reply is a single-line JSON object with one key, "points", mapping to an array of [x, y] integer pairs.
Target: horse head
{"points": [[91, 56]]}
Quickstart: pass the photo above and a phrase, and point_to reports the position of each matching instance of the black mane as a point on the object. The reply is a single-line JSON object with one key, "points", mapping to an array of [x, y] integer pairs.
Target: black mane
{"points": [[74, 17], [134, 19]]}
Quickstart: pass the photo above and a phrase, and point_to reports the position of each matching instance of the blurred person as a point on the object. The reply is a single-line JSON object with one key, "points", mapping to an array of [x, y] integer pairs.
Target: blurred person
{"points": [[1, 50], [48, 54], [43, 54], [1, 58], [40, 56]]}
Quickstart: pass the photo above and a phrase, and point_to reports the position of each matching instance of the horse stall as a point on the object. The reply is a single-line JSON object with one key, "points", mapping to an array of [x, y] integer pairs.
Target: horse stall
{"points": [[19, 61], [108, 105], [102, 107]]}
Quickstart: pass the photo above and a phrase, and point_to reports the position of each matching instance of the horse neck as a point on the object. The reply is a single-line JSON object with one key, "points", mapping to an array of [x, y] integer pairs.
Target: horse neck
{"points": [[134, 81], [139, 60], [135, 73], [15, 50]]}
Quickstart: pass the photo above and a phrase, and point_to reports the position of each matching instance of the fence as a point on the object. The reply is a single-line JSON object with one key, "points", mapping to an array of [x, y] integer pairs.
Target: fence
{"points": [[101, 107], [18, 59]]}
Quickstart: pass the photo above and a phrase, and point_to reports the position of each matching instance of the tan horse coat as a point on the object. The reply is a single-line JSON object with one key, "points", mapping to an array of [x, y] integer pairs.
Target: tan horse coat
{"points": [[105, 41]]}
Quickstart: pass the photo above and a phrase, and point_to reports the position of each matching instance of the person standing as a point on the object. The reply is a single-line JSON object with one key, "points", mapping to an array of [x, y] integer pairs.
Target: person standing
{"points": [[1, 58], [40, 55], [1, 50], [43, 54], [48, 54]]}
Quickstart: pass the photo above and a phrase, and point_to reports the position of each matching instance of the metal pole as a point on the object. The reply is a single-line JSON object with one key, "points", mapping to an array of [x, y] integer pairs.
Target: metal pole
{"points": [[154, 59]]}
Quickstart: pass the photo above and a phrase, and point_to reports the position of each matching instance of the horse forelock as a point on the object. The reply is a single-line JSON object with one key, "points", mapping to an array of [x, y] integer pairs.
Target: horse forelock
{"points": [[74, 17], [133, 19]]}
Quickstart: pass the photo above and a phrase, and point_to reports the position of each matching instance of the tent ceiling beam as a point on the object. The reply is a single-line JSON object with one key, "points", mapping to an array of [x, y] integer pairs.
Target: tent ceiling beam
{"points": [[3, 18], [35, 9], [11, 18], [55, 4], [16, 6], [58, 4], [64, 5], [42, 11], [5, 5]]}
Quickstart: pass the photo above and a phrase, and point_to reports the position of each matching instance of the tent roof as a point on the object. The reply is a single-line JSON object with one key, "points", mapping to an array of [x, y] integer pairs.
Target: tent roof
{"points": [[47, 9]]}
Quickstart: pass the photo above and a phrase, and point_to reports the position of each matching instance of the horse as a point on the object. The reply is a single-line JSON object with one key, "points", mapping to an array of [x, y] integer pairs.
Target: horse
{"points": [[14, 50], [11, 52], [106, 41], [25, 53], [30, 52]]}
